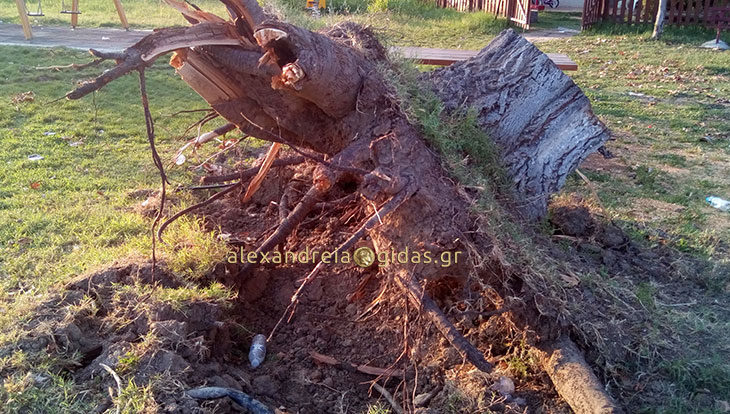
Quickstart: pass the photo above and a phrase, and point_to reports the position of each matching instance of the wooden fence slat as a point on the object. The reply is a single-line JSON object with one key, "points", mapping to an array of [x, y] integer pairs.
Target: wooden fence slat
{"points": [[623, 11], [651, 11], [680, 11]]}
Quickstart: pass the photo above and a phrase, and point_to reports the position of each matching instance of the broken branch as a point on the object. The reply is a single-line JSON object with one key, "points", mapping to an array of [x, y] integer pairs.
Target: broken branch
{"points": [[347, 366]]}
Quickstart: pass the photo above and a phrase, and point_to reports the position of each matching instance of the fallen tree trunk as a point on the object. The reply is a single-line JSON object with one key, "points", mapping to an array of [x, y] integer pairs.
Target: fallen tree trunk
{"points": [[323, 95], [540, 120]]}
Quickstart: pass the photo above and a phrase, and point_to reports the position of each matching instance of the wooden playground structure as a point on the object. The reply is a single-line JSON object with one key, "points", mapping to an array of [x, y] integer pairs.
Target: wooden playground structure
{"points": [[74, 11]]}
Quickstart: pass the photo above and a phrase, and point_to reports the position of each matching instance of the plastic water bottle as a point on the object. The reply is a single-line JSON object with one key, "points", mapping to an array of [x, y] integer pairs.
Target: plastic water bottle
{"points": [[258, 350], [718, 203]]}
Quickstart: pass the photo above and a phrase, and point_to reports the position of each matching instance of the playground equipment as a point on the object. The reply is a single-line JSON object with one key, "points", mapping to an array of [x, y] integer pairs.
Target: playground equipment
{"points": [[74, 11]]}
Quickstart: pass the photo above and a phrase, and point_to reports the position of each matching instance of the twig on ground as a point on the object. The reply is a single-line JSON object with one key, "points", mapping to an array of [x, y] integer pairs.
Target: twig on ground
{"points": [[347, 366], [387, 395], [250, 172], [75, 66], [149, 123], [182, 212], [593, 191], [117, 380]]}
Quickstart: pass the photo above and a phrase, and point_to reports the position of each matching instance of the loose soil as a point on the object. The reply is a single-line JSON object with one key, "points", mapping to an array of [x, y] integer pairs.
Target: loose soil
{"points": [[185, 344]]}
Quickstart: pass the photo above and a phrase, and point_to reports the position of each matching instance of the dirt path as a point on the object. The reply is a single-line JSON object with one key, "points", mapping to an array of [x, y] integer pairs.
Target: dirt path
{"points": [[109, 40]]}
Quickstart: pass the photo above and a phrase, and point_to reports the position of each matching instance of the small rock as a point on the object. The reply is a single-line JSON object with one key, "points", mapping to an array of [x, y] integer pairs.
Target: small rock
{"points": [[519, 401], [504, 386], [347, 342], [316, 375], [351, 309], [265, 385], [329, 382], [421, 400]]}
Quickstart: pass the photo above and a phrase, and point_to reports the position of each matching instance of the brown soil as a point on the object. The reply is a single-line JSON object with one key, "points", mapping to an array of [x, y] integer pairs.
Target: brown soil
{"points": [[343, 315]]}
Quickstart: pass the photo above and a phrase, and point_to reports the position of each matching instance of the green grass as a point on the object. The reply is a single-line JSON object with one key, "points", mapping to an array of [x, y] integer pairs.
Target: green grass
{"points": [[551, 20], [659, 136], [72, 211], [146, 14]]}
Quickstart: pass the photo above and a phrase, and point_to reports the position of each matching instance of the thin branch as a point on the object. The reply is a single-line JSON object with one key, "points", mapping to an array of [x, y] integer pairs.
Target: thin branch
{"points": [[182, 212], [117, 380], [75, 66], [389, 397], [347, 366], [250, 172], [210, 187], [149, 123]]}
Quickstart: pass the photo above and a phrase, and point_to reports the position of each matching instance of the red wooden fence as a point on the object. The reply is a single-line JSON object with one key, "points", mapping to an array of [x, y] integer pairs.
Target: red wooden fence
{"points": [[679, 12], [517, 11]]}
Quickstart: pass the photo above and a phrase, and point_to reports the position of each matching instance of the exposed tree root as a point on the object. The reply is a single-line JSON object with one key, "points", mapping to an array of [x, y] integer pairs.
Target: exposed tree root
{"points": [[573, 378], [250, 172], [286, 227], [376, 218], [418, 296], [324, 96]]}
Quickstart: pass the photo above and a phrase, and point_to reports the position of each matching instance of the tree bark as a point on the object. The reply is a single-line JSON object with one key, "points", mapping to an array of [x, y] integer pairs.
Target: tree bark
{"points": [[539, 118], [573, 378], [660, 18]]}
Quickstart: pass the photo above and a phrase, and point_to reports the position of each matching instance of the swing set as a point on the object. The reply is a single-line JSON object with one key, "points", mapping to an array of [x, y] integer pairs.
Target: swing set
{"points": [[74, 11]]}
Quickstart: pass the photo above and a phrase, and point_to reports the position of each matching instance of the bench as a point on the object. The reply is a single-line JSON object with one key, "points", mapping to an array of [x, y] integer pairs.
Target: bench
{"points": [[445, 57], [718, 18]]}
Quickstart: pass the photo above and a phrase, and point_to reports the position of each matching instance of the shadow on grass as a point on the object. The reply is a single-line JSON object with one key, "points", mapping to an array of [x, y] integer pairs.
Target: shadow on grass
{"points": [[673, 35]]}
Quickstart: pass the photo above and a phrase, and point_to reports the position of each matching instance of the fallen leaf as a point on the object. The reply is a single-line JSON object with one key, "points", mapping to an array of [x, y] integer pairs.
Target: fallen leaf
{"points": [[23, 97], [35, 185]]}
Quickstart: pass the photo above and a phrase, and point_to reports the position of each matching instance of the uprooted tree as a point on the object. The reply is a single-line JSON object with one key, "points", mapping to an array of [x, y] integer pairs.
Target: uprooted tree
{"points": [[325, 96]]}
